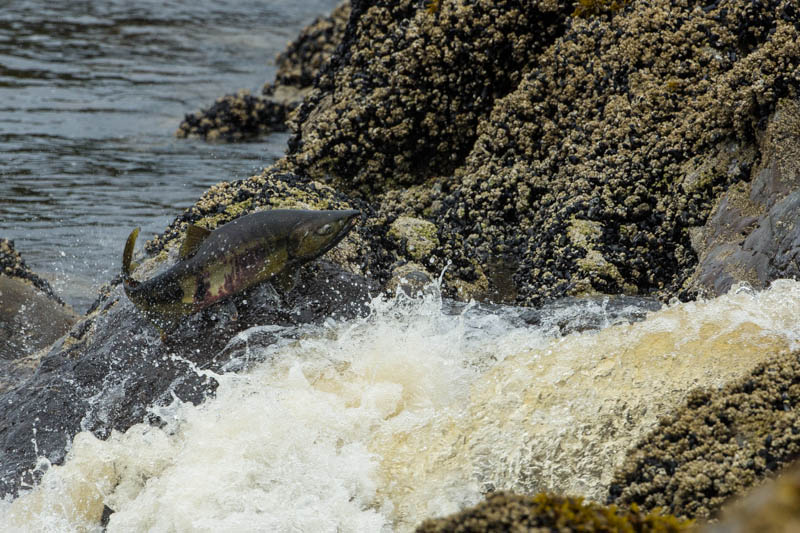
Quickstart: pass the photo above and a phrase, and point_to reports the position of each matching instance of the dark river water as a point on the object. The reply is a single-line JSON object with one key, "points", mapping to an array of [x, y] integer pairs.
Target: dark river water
{"points": [[91, 93]]}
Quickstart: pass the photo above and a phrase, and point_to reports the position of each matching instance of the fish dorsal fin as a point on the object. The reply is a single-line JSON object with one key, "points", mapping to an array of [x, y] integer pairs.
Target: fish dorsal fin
{"points": [[195, 235]]}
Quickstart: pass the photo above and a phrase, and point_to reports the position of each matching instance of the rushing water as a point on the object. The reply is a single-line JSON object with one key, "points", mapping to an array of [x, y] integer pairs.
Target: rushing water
{"points": [[91, 93], [413, 411]]}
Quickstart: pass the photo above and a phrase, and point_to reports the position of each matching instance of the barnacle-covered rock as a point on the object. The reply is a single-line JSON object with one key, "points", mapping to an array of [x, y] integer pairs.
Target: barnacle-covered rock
{"points": [[753, 234], [403, 97], [303, 58], [242, 116], [235, 117], [718, 445]]}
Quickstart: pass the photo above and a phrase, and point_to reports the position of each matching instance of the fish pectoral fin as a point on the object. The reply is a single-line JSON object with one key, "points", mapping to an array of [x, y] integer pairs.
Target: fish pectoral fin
{"points": [[195, 235]]}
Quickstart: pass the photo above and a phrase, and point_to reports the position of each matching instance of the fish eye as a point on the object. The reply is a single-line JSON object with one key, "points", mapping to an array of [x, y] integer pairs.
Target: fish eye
{"points": [[325, 230]]}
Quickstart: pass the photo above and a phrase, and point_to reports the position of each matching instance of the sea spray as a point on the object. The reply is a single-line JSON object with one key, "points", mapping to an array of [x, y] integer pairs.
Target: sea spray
{"points": [[376, 423]]}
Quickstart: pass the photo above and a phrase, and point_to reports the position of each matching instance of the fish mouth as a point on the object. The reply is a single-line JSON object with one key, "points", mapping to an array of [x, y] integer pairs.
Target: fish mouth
{"points": [[351, 222], [352, 218]]}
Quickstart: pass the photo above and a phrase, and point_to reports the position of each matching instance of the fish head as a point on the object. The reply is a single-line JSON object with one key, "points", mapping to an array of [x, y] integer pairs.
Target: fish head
{"points": [[318, 232]]}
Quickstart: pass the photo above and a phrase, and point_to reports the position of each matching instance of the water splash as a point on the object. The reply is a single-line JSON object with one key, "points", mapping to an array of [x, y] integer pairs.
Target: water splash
{"points": [[377, 423]]}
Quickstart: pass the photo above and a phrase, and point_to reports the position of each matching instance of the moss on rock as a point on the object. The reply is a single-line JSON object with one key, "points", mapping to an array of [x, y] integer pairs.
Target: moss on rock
{"points": [[505, 511], [718, 445]]}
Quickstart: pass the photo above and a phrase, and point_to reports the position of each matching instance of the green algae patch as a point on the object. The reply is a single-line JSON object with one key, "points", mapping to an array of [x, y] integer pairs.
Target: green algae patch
{"points": [[418, 237], [505, 511]]}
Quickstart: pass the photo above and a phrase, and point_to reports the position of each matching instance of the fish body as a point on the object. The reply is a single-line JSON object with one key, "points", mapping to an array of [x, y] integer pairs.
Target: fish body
{"points": [[236, 256]]}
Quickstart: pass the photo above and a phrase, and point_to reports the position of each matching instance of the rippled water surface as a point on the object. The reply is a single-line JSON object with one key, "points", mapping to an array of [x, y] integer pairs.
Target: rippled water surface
{"points": [[90, 96]]}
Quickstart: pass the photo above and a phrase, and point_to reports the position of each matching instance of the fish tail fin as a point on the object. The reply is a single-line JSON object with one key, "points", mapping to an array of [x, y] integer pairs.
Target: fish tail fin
{"points": [[127, 256]]}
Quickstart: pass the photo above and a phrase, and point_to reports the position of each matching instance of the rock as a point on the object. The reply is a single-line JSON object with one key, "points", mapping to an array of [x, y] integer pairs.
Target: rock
{"points": [[773, 508], [718, 445], [242, 116], [307, 54], [418, 237], [513, 121], [113, 368], [753, 234], [411, 279], [29, 319], [505, 511], [235, 117], [31, 316]]}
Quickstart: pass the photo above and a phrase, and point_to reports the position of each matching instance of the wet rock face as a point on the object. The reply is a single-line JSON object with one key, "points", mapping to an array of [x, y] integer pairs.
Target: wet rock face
{"points": [[504, 511], [12, 265], [113, 366], [753, 235], [717, 446], [31, 316]]}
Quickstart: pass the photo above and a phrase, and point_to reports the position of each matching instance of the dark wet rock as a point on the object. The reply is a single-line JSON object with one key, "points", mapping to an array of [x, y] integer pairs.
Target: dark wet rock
{"points": [[242, 116], [31, 316], [235, 117], [573, 315], [753, 235], [501, 512], [411, 279], [718, 445], [29, 321], [113, 366]]}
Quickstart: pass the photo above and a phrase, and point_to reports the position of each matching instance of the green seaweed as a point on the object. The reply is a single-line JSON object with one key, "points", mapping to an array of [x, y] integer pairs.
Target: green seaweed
{"points": [[433, 6], [505, 511], [586, 8]]}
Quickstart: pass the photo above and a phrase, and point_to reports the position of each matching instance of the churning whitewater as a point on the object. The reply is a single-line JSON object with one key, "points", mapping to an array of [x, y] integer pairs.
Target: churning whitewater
{"points": [[414, 411]]}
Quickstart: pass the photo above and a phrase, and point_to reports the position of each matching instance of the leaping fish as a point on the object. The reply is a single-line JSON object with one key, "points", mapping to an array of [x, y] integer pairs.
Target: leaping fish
{"points": [[216, 264]]}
